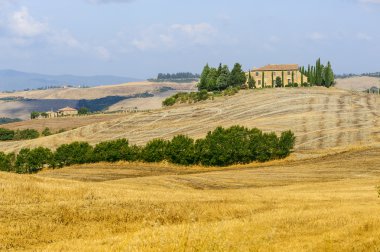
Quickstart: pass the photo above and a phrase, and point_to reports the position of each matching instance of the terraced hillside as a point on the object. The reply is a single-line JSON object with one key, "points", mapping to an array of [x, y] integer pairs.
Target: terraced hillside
{"points": [[321, 118]]}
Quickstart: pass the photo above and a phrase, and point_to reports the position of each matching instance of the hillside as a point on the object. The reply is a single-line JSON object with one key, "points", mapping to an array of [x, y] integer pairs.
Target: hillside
{"points": [[361, 83], [321, 119], [44, 100], [16, 80], [322, 204]]}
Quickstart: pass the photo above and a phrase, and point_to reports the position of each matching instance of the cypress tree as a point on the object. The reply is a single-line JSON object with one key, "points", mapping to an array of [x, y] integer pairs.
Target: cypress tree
{"points": [[292, 77], [263, 79], [272, 80], [282, 80]]}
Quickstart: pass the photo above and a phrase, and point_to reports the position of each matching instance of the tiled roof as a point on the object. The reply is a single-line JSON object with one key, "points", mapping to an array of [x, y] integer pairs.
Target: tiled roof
{"points": [[67, 109], [286, 67]]}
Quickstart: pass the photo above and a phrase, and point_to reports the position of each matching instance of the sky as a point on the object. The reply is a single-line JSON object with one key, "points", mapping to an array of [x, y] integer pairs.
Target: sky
{"points": [[140, 38]]}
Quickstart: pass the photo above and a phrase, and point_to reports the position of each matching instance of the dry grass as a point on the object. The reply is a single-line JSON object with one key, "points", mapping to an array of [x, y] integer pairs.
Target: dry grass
{"points": [[358, 83], [99, 91], [56, 124], [321, 119], [324, 204]]}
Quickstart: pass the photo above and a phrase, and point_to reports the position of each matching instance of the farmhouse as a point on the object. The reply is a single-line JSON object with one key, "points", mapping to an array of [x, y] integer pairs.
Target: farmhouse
{"points": [[266, 76], [67, 112]]}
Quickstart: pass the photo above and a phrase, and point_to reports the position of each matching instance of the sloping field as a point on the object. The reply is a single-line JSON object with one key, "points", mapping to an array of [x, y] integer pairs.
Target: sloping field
{"points": [[321, 119], [322, 204], [358, 83], [99, 91], [56, 124]]}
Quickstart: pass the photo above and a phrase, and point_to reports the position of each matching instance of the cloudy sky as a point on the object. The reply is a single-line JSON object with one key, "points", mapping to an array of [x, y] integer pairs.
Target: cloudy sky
{"points": [[139, 38]]}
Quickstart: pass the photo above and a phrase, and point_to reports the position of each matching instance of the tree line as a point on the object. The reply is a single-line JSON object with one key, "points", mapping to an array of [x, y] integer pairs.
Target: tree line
{"points": [[177, 76], [319, 75], [221, 78], [221, 147], [26, 134]]}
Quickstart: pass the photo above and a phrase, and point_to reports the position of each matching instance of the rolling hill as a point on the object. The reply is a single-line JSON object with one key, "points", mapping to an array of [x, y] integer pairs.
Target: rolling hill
{"points": [[44, 100], [16, 80], [321, 119]]}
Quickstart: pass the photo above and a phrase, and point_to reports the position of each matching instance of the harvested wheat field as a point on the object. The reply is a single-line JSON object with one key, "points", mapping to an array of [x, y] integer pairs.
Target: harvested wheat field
{"points": [[61, 123], [320, 118], [325, 204]]}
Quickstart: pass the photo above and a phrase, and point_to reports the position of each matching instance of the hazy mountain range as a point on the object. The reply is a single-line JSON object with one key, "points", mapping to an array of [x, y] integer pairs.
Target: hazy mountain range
{"points": [[15, 80]]}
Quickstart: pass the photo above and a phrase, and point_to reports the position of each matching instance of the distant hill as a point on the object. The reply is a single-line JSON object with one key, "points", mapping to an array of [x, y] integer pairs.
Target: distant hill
{"points": [[14, 80]]}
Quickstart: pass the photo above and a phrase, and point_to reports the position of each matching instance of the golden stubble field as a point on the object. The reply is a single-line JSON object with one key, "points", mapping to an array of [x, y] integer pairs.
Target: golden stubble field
{"points": [[325, 204], [320, 118]]}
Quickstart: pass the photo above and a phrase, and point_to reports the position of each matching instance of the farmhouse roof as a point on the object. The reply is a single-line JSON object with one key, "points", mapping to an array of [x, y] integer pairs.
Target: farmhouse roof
{"points": [[67, 109], [285, 67]]}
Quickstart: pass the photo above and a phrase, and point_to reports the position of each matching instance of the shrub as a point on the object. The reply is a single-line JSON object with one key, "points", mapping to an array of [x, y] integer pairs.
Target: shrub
{"points": [[155, 151], [224, 147], [181, 150], [112, 151], [74, 153], [231, 91], [169, 101], [5, 162], [286, 144], [6, 134], [46, 132], [26, 134], [31, 161]]}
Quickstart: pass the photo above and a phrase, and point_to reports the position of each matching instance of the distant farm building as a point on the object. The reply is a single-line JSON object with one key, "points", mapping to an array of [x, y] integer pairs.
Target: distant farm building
{"points": [[266, 76], [67, 111]]}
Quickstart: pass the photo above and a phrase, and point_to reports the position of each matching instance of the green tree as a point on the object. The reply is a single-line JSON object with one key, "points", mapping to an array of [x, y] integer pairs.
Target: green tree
{"points": [[5, 162], [74, 153], [328, 75], [6, 134], [263, 80], [272, 79], [211, 80], [155, 151], [282, 78], [286, 144], [34, 115], [237, 76], [223, 79], [181, 150], [278, 82], [46, 132], [293, 78], [26, 134], [31, 161], [204, 76], [83, 111], [251, 81], [112, 151]]}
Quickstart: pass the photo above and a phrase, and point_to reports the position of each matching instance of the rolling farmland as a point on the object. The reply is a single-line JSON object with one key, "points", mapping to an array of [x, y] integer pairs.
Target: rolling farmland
{"points": [[321, 119]]}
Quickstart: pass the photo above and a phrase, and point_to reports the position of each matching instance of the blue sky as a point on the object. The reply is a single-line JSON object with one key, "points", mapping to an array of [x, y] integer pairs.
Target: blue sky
{"points": [[139, 38]]}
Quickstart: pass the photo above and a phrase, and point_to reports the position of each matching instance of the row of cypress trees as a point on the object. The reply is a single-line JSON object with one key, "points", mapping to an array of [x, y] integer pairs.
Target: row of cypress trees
{"points": [[221, 147], [319, 75]]}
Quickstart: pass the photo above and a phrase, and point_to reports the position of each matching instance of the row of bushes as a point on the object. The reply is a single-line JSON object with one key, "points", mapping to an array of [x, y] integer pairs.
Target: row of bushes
{"points": [[195, 97], [15, 135], [7, 135], [221, 147]]}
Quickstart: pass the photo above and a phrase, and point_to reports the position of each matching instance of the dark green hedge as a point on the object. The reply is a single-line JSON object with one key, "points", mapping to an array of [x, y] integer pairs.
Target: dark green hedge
{"points": [[221, 147]]}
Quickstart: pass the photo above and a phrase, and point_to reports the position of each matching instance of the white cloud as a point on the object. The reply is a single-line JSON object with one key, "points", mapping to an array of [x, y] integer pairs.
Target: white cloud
{"points": [[23, 25], [174, 36]]}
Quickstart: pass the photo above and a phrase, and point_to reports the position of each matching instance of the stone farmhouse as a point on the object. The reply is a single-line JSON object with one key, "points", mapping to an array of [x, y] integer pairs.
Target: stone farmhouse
{"points": [[266, 76], [67, 111]]}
